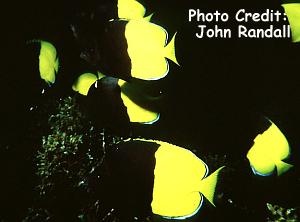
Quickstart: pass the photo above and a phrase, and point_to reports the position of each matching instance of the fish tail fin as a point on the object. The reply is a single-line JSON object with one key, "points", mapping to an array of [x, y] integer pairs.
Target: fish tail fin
{"points": [[208, 185], [170, 50], [282, 167], [148, 18], [100, 75]]}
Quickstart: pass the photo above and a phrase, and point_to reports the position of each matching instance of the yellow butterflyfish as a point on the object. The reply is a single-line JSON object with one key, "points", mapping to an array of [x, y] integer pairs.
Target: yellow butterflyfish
{"points": [[136, 49], [173, 179], [148, 49], [268, 152], [48, 62]]}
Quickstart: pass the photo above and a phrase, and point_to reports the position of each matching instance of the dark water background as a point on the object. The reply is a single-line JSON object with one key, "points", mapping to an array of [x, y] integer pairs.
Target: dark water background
{"points": [[213, 102]]}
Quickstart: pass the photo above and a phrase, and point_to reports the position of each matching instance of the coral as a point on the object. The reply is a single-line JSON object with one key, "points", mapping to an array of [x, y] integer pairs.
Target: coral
{"points": [[67, 166], [278, 213], [61, 146]]}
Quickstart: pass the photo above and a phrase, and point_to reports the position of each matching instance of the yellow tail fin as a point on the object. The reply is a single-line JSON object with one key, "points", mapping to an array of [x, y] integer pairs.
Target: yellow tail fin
{"points": [[170, 50], [208, 185], [282, 167], [148, 18], [100, 75]]}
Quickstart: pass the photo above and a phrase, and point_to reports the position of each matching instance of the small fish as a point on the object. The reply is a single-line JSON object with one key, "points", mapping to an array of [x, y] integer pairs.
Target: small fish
{"points": [[292, 11], [173, 179], [268, 152], [41, 66], [176, 165], [132, 9], [136, 48], [105, 87], [48, 61]]}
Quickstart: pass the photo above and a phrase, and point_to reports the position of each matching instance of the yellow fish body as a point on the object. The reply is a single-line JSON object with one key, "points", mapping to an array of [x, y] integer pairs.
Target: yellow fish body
{"points": [[180, 182], [48, 62], [181, 179], [135, 48], [268, 152], [155, 177], [148, 49], [292, 11]]}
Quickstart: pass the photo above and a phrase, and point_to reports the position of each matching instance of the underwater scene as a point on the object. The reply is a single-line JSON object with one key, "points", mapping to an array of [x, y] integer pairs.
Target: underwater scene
{"points": [[147, 110]]}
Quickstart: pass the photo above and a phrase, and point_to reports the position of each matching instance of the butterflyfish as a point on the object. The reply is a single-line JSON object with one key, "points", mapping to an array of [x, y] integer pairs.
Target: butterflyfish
{"points": [[168, 180], [136, 48], [132, 9], [292, 11], [105, 88], [42, 65], [48, 61], [269, 151]]}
